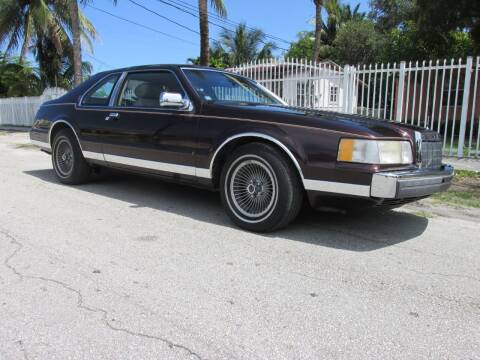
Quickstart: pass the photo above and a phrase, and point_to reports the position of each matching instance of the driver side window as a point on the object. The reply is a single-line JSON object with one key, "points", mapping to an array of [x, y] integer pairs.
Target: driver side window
{"points": [[143, 89]]}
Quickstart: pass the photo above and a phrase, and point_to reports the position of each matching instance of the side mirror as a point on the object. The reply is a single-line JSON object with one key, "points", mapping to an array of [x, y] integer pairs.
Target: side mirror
{"points": [[175, 100]]}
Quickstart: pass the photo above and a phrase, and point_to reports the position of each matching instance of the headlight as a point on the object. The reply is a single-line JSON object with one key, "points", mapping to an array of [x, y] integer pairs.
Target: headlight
{"points": [[375, 151]]}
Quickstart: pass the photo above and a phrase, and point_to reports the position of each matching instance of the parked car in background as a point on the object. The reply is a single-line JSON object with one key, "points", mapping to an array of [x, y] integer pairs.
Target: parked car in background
{"points": [[211, 128]]}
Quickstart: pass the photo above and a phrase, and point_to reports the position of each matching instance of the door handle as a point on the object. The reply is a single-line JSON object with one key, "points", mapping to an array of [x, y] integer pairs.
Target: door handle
{"points": [[112, 116]]}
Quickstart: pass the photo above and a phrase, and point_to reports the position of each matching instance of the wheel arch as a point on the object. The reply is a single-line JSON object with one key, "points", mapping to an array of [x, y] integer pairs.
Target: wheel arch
{"points": [[58, 125], [220, 154]]}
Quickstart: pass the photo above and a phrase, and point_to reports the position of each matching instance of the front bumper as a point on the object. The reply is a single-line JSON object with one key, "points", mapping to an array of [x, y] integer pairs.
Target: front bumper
{"points": [[411, 183]]}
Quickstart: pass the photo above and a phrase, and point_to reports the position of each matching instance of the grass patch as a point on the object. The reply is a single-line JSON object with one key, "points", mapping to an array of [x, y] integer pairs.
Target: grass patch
{"points": [[462, 174], [464, 192], [424, 214], [459, 198]]}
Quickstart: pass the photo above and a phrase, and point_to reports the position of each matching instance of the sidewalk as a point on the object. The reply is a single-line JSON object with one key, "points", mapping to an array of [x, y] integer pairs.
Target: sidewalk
{"points": [[463, 164], [12, 128]]}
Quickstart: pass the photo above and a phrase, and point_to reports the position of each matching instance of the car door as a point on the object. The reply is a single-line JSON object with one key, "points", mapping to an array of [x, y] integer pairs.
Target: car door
{"points": [[90, 114], [140, 133]]}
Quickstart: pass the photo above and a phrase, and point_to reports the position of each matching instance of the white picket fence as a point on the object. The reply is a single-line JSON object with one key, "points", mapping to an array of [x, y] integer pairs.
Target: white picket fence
{"points": [[20, 111], [440, 95]]}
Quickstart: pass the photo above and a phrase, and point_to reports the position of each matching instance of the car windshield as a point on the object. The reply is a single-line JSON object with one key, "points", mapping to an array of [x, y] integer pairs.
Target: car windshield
{"points": [[217, 86]]}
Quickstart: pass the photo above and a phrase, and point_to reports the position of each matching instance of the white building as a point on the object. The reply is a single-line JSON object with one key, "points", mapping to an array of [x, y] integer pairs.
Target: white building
{"points": [[304, 84]]}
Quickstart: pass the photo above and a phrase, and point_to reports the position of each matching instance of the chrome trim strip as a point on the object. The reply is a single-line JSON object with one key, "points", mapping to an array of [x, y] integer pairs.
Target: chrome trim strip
{"points": [[57, 104], [261, 136], [116, 89], [337, 187], [203, 173], [271, 93], [41, 144], [316, 185], [93, 155], [64, 122], [148, 164]]}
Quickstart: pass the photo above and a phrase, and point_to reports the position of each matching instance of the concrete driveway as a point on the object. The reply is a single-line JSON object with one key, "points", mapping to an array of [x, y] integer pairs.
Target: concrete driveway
{"points": [[133, 268]]}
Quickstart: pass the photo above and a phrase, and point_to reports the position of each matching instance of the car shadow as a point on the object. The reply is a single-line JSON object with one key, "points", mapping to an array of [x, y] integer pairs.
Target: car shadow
{"points": [[367, 231]]}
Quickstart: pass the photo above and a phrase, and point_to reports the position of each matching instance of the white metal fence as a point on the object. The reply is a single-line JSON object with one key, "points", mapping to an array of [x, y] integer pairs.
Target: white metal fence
{"points": [[21, 111], [440, 95]]}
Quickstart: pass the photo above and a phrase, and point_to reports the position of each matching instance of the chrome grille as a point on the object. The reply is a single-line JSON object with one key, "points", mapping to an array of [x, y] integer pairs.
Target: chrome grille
{"points": [[431, 154]]}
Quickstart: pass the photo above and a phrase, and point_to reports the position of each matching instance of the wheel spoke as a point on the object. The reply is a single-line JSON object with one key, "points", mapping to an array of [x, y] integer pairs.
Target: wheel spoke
{"points": [[64, 157], [253, 188]]}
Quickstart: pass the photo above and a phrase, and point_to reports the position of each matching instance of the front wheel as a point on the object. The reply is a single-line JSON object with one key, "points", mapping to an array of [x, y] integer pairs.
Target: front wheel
{"points": [[260, 189]]}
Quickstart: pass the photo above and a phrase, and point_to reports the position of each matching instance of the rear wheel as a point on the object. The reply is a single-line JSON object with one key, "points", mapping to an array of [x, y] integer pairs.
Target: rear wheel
{"points": [[260, 188], [67, 159]]}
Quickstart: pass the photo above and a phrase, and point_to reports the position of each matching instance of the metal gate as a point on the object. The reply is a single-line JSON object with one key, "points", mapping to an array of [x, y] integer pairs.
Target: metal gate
{"points": [[443, 95]]}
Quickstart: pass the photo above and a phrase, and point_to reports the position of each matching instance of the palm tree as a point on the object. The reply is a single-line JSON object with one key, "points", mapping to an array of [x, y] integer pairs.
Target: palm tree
{"points": [[244, 45], [218, 57], [57, 70], [18, 79], [77, 44], [220, 9], [338, 15], [318, 29], [26, 21], [76, 19]]}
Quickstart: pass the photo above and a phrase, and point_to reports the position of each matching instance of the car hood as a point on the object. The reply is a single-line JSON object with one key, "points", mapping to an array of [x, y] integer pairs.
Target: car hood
{"points": [[333, 121]]}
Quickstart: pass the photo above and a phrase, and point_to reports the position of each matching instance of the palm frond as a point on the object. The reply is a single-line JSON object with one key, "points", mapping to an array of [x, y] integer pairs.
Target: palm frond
{"points": [[219, 7]]}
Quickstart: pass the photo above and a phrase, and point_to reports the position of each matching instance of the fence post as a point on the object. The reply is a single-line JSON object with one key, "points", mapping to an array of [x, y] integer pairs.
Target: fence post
{"points": [[346, 73], [400, 91], [353, 90], [465, 101]]}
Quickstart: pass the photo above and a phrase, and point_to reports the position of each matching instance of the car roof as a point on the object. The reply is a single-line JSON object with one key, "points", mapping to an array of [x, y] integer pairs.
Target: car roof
{"points": [[163, 66]]}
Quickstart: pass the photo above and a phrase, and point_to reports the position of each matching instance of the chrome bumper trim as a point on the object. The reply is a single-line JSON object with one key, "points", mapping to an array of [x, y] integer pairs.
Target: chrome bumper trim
{"points": [[337, 187], [413, 183]]}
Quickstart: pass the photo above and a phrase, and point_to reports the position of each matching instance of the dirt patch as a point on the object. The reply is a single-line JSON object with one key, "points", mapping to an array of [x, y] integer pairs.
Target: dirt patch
{"points": [[27, 146]]}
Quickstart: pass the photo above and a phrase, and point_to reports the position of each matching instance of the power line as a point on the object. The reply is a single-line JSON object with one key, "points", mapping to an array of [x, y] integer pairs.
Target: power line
{"points": [[189, 6], [141, 25], [164, 17], [98, 60], [193, 14], [183, 7]]}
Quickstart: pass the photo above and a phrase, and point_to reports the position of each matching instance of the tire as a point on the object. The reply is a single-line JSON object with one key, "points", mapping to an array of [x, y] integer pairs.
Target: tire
{"points": [[260, 188], [68, 162]]}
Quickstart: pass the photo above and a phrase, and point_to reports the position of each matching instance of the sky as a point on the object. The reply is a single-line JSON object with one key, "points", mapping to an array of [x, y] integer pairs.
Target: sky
{"points": [[123, 44]]}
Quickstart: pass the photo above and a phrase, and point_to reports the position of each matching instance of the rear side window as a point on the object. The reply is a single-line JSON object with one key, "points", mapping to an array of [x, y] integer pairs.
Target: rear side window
{"points": [[143, 89], [101, 93]]}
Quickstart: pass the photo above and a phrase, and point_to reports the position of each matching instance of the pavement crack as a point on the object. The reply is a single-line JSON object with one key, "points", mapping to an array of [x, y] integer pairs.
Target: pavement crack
{"points": [[18, 248], [81, 303]]}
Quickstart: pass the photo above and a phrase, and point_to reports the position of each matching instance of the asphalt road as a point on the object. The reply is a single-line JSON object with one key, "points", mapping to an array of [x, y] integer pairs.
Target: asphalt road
{"points": [[133, 268]]}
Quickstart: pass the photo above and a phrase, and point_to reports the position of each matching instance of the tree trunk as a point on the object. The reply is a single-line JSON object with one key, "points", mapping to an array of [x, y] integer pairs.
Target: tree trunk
{"points": [[204, 38], [24, 51], [26, 40], [77, 46], [318, 29]]}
